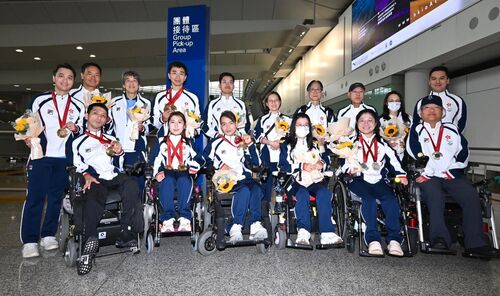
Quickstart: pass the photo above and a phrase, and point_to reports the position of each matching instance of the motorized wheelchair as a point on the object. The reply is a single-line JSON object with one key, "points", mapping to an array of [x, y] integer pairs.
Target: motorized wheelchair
{"points": [[153, 208], [453, 213], [71, 223], [351, 223], [284, 222], [216, 215]]}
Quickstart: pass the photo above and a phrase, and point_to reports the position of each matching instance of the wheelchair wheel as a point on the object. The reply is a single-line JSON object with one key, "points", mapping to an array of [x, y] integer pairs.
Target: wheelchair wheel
{"points": [[340, 205], [63, 230], [206, 243], [149, 242], [279, 237], [263, 248], [71, 252]]}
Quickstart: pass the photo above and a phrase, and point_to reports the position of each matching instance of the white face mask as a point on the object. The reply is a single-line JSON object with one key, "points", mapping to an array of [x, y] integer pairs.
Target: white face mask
{"points": [[301, 131], [394, 106]]}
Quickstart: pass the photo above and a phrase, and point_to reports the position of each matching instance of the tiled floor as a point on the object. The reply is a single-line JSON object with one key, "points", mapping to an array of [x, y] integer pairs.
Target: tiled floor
{"points": [[173, 269]]}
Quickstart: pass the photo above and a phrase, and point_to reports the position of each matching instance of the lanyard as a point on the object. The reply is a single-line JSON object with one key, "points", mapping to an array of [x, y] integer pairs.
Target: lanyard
{"points": [[101, 138], [374, 154], [237, 140], [174, 151], [62, 122], [440, 138], [171, 100]]}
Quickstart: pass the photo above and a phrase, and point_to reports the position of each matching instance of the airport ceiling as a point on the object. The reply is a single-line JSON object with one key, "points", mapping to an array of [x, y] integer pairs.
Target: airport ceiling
{"points": [[248, 38]]}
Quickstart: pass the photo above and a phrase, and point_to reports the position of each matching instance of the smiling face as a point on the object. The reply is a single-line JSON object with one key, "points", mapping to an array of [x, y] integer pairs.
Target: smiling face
{"points": [[176, 125], [91, 77], [177, 77], [366, 124], [431, 113], [315, 92], [63, 81], [131, 85], [96, 118], [438, 81], [228, 126], [226, 86], [273, 103]]}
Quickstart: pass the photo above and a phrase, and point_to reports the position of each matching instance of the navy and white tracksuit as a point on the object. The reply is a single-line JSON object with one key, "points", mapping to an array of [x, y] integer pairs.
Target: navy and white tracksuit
{"points": [[89, 157], [215, 107], [371, 185], [171, 154], [47, 177], [289, 163], [186, 102], [248, 193], [446, 175], [455, 109], [266, 128], [351, 112], [318, 114], [121, 127]]}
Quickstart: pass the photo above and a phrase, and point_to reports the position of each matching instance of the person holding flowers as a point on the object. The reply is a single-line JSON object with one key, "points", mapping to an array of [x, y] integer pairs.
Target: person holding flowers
{"points": [[300, 157], [270, 130], [129, 121], [229, 153], [173, 166], [62, 118], [395, 122], [320, 115], [370, 182], [356, 95], [226, 102]]}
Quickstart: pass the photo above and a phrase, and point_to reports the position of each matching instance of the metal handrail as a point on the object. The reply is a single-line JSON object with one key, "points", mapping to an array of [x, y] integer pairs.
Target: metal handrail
{"points": [[484, 149]]}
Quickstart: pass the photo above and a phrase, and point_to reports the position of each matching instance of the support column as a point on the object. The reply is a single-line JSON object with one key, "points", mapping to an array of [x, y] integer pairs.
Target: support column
{"points": [[416, 86]]}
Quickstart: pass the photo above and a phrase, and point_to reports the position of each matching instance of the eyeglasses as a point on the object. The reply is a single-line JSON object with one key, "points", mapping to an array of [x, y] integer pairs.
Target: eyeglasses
{"points": [[315, 90]]}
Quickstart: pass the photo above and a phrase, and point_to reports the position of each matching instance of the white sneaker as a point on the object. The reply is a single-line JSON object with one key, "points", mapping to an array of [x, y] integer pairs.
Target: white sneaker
{"points": [[375, 248], [257, 231], [49, 243], [394, 248], [303, 237], [184, 224], [167, 225], [330, 238], [235, 233], [30, 250]]}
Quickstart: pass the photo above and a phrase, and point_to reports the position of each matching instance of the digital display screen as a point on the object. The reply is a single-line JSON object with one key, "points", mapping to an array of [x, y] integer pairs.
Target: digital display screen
{"points": [[380, 25]]}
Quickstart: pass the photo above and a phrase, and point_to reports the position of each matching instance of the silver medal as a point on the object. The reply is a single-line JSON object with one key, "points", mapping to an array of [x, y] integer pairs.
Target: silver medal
{"points": [[376, 166]]}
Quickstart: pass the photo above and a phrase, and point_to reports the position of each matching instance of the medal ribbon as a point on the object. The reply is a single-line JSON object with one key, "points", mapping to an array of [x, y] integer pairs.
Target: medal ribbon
{"points": [[225, 139], [171, 100], [437, 146], [174, 151], [62, 123], [101, 138], [374, 154]]}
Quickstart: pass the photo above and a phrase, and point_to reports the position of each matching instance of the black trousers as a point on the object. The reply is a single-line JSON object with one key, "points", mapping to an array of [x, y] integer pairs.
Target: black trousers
{"points": [[462, 191], [94, 201]]}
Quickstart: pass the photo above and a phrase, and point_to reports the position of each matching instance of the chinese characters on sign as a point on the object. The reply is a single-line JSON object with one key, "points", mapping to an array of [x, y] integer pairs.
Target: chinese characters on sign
{"points": [[182, 34]]}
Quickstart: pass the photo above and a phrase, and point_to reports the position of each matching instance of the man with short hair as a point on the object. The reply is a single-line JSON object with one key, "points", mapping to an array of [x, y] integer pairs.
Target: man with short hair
{"points": [[62, 118], [91, 77], [226, 102], [453, 105], [444, 173], [356, 94]]}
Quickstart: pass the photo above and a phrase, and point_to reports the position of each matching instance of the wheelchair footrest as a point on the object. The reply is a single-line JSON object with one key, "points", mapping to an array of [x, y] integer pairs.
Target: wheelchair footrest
{"points": [[246, 242], [364, 253], [293, 245], [330, 246], [426, 248], [475, 255]]}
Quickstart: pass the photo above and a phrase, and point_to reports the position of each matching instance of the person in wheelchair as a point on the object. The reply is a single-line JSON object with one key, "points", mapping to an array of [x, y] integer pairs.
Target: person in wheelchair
{"points": [[95, 156], [444, 173], [172, 168], [301, 158], [370, 182], [231, 155]]}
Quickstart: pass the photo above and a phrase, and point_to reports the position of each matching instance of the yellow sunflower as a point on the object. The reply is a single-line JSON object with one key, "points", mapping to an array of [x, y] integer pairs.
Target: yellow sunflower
{"points": [[225, 187], [21, 125], [320, 130], [137, 110], [196, 117], [391, 130], [407, 129], [237, 117], [345, 144], [283, 125], [99, 99]]}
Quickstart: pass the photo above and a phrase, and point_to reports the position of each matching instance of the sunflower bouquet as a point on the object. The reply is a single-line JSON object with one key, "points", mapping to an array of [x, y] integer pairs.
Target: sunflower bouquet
{"points": [[339, 131], [282, 127], [224, 180], [393, 132], [97, 97], [29, 126], [193, 123], [240, 119], [137, 114]]}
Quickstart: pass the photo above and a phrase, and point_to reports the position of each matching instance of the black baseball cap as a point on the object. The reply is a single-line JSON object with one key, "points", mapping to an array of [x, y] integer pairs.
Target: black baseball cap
{"points": [[355, 85], [431, 99]]}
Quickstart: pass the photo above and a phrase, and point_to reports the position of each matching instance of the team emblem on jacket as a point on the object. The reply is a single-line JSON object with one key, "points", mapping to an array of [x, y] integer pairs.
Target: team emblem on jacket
{"points": [[426, 140], [448, 106], [50, 111], [449, 140], [88, 150], [223, 152], [118, 108]]}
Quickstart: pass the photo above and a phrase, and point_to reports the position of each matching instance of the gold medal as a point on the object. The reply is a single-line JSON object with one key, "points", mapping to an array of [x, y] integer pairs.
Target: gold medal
{"points": [[109, 151], [62, 132], [437, 155], [181, 167]]}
